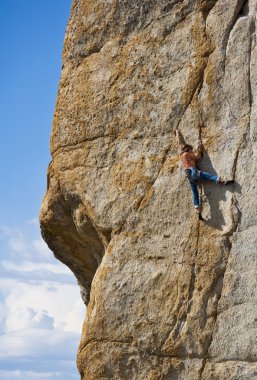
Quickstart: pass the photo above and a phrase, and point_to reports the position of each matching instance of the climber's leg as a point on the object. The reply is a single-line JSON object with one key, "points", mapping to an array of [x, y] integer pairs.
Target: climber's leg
{"points": [[195, 192], [215, 178], [209, 177], [197, 205]]}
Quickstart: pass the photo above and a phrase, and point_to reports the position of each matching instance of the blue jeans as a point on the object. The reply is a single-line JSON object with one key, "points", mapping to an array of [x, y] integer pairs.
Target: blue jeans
{"points": [[193, 176]]}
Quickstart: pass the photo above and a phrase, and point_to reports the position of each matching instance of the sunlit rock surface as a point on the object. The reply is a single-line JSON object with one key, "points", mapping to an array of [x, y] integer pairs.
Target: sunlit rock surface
{"points": [[169, 298]]}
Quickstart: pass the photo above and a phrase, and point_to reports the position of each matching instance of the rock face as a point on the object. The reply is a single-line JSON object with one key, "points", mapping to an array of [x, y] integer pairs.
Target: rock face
{"points": [[169, 298]]}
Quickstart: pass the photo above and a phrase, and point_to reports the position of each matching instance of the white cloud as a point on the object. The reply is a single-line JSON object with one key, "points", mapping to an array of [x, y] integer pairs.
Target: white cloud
{"points": [[28, 375], [29, 266], [41, 311], [33, 221], [29, 256], [75, 317], [26, 317], [60, 302], [33, 375], [35, 343], [18, 245], [41, 248]]}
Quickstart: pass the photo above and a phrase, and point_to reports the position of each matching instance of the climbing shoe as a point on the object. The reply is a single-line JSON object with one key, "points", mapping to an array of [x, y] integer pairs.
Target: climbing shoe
{"points": [[199, 214], [225, 182], [200, 217], [228, 182]]}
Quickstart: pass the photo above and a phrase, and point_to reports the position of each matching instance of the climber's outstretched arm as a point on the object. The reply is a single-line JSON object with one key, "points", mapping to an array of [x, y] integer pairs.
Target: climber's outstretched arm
{"points": [[180, 139], [199, 151]]}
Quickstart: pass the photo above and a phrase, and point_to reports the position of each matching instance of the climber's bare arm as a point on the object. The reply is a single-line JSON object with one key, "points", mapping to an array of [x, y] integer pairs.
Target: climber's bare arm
{"points": [[199, 151], [180, 139]]}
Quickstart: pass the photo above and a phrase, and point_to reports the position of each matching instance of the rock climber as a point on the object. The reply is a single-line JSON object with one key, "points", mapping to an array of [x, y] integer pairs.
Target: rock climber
{"points": [[190, 160]]}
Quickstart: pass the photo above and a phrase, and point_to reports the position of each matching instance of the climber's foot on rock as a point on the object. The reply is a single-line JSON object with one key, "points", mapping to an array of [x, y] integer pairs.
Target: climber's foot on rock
{"points": [[225, 181], [199, 214], [200, 217], [229, 181]]}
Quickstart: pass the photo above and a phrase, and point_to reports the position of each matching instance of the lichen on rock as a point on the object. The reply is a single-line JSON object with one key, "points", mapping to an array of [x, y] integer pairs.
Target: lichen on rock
{"points": [[168, 298]]}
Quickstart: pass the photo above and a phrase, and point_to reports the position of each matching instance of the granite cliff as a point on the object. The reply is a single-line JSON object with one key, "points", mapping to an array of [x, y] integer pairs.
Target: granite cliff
{"points": [[168, 297]]}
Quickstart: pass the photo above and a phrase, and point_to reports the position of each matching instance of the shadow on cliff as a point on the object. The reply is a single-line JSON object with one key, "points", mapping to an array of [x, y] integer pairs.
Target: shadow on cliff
{"points": [[213, 193]]}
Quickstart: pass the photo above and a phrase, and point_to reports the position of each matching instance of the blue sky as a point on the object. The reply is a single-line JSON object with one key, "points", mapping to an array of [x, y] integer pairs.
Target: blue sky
{"points": [[41, 312]]}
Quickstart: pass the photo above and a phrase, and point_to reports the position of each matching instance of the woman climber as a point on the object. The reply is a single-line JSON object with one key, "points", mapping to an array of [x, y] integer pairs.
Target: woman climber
{"points": [[190, 161]]}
